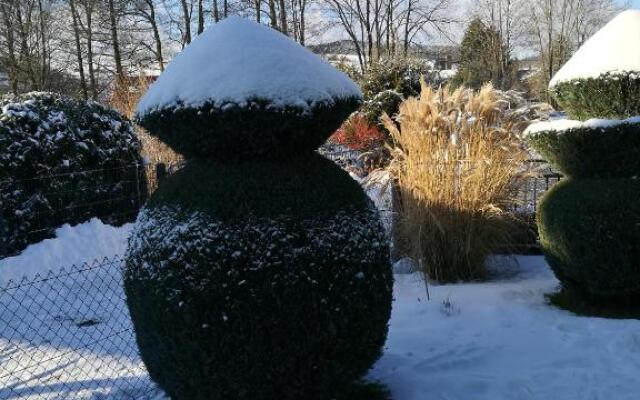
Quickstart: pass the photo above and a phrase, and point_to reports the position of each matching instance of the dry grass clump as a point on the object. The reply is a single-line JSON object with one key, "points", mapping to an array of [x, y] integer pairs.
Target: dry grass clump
{"points": [[457, 160], [126, 94]]}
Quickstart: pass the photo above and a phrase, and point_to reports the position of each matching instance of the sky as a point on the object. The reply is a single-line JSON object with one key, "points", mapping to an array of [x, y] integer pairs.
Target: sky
{"points": [[633, 3]]}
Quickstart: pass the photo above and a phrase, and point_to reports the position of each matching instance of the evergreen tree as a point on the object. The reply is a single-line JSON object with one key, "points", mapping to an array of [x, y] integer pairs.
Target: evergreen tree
{"points": [[483, 58]]}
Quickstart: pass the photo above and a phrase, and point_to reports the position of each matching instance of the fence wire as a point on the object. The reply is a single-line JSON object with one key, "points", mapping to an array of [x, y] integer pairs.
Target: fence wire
{"points": [[68, 335]]}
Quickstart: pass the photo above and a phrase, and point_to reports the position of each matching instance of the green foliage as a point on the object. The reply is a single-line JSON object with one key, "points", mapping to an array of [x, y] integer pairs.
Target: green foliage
{"points": [[64, 161], [235, 132], [590, 231], [387, 102], [260, 280], [483, 58], [306, 187], [398, 75], [612, 151], [572, 299], [611, 95]]}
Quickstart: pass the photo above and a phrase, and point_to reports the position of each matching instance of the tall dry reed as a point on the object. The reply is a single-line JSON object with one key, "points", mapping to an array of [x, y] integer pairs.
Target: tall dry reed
{"points": [[126, 94], [456, 160]]}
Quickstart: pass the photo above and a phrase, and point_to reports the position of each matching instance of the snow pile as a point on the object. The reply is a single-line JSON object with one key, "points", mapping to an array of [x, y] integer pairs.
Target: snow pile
{"points": [[613, 49], [237, 60], [73, 245], [564, 125]]}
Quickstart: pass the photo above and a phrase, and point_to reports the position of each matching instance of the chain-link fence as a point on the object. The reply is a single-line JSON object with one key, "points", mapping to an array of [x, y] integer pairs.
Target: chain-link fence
{"points": [[32, 209], [68, 335]]}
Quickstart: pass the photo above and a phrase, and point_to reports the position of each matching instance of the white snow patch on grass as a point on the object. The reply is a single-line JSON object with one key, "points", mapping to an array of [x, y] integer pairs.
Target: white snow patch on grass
{"points": [[73, 245], [504, 342], [236, 60], [613, 49]]}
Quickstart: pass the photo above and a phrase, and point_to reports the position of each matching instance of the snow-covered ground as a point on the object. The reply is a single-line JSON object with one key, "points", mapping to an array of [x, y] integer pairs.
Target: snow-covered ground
{"points": [[495, 340]]}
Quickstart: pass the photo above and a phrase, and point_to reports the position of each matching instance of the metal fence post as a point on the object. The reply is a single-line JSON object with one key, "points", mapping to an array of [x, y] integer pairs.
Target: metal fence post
{"points": [[137, 185], [3, 244], [161, 172]]}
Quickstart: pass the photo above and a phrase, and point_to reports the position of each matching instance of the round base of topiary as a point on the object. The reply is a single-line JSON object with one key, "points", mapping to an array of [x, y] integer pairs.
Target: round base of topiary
{"points": [[574, 300], [612, 151], [259, 281], [611, 95], [254, 130], [590, 234]]}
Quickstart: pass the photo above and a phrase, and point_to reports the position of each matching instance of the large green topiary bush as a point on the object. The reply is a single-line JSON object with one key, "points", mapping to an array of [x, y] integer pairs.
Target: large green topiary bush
{"points": [[64, 161], [262, 273], [590, 223]]}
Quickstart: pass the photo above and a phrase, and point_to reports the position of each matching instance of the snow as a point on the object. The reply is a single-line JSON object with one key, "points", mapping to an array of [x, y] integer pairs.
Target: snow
{"points": [[498, 340], [73, 245], [501, 340], [613, 49], [565, 125], [237, 60]]}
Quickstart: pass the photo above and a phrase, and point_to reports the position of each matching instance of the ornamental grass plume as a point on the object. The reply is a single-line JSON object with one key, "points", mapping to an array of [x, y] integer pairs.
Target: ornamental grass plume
{"points": [[457, 160]]}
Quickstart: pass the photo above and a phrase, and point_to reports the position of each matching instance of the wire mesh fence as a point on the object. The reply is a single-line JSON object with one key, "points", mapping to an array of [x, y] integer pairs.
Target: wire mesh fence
{"points": [[32, 208], [68, 335]]}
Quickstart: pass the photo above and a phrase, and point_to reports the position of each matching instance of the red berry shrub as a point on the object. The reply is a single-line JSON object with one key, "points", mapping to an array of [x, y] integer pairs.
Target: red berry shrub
{"points": [[357, 133]]}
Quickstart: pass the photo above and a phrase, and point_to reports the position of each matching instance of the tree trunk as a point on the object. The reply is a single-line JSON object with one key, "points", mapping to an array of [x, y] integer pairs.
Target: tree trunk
{"points": [[114, 39], [44, 73], [216, 13], [283, 18], [12, 70], [76, 34], [89, 32], [187, 22], [156, 34], [272, 14], [200, 17]]}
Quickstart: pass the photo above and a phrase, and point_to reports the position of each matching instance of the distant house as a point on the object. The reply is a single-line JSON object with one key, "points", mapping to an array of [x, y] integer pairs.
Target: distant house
{"points": [[527, 66]]}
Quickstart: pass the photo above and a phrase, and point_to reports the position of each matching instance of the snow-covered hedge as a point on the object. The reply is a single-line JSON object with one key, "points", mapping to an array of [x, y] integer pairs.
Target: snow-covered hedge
{"points": [[260, 271], [591, 149], [272, 283], [611, 95], [64, 161]]}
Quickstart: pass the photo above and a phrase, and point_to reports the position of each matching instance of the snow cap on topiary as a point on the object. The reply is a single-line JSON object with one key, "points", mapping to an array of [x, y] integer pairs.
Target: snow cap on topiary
{"points": [[238, 60], [242, 91], [612, 50]]}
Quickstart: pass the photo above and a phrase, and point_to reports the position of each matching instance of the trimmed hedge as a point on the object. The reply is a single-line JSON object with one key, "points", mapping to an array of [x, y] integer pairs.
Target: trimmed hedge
{"points": [[64, 161], [236, 133], [592, 152], [611, 95], [259, 280], [590, 233]]}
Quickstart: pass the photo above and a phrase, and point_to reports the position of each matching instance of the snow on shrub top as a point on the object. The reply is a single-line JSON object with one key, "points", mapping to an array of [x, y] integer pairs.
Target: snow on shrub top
{"points": [[613, 49], [565, 125], [237, 60]]}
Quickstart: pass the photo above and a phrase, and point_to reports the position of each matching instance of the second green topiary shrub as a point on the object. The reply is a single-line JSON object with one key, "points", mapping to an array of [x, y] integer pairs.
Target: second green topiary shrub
{"points": [[260, 271], [589, 224], [590, 231]]}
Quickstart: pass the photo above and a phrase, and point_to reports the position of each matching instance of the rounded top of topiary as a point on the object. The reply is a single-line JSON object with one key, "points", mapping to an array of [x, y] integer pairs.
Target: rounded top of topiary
{"points": [[612, 50], [237, 60], [243, 90]]}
